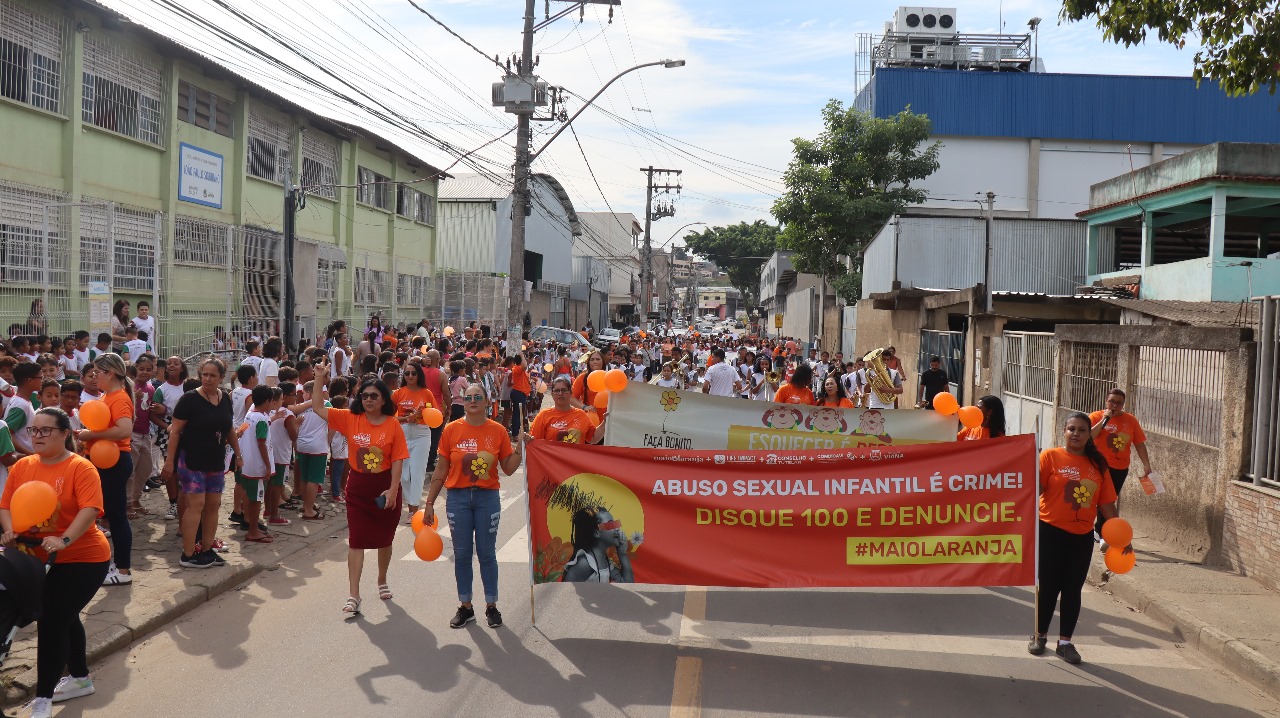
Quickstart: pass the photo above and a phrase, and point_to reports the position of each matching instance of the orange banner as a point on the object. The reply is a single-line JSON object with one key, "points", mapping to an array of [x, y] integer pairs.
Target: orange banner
{"points": [[953, 514]]}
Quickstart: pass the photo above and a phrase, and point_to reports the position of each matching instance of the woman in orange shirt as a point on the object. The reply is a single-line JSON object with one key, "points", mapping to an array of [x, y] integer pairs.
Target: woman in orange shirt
{"points": [[411, 400], [796, 390], [1075, 486], [83, 554], [992, 426], [833, 394], [562, 422], [374, 461], [117, 392], [471, 449], [582, 396]]}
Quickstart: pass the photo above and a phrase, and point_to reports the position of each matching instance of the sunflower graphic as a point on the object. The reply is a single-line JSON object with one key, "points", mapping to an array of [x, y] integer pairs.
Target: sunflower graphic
{"points": [[372, 460], [670, 400], [479, 466], [1081, 495], [1118, 441]]}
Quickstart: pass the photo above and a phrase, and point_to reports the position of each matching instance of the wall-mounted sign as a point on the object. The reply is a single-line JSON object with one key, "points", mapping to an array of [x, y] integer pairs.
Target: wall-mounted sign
{"points": [[199, 176]]}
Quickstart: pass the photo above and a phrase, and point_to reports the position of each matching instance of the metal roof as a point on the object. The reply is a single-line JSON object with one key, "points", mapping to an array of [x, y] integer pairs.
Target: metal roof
{"points": [[1200, 314], [471, 185], [1081, 107]]}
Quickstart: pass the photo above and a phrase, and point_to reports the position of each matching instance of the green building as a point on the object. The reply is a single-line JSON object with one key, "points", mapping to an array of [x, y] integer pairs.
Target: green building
{"points": [[128, 162]]}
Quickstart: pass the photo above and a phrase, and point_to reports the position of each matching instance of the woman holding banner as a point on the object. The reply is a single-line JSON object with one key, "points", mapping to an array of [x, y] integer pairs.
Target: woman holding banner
{"points": [[833, 393], [471, 449], [563, 422], [1075, 486], [797, 391]]}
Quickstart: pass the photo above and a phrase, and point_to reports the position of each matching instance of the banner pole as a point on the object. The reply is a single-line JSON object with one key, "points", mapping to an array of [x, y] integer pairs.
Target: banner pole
{"points": [[1035, 617], [528, 523]]}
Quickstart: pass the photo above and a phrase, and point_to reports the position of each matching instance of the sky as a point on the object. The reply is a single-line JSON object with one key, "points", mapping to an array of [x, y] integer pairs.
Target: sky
{"points": [[757, 76]]}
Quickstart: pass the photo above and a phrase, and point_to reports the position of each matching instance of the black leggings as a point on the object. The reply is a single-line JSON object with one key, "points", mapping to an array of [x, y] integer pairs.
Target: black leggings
{"points": [[518, 399], [115, 506], [1117, 480], [1064, 566], [61, 640]]}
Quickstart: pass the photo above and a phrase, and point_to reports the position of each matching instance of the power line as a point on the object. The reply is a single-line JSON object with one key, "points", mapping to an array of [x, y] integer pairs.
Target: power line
{"points": [[464, 40]]}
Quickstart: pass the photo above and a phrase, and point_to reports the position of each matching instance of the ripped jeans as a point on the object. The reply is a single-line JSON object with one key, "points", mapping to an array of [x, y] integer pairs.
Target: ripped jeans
{"points": [[473, 521]]}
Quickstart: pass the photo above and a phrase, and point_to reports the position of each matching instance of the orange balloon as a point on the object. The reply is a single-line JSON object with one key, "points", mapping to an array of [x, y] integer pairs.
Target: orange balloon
{"points": [[594, 418], [1118, 561], [595, 380], [95, 415], [945, 403], [970, 416], [104, 454], [32, 504], [448, 331], [615, 380], [1117, 532], [418, 521], [548, 368], [601, 400], [432, 417], [428, 545]]}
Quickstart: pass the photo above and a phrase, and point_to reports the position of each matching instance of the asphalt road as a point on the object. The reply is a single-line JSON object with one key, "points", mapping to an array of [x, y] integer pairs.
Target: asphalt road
{"points": [[279, 647]]}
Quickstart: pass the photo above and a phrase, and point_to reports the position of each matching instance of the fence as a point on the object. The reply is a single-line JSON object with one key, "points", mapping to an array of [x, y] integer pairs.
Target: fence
{"points": [[1264, 463], [949, 347], [1027, 370], [1091, 371]]}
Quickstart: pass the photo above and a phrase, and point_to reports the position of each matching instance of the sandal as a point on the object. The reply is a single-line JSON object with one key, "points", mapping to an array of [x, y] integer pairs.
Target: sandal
{"points": [[268, 538], [351, 608], [318, 517], [384, 592]]}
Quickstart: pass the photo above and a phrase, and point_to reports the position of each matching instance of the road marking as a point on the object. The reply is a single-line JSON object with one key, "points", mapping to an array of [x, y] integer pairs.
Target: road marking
{"points": [[507, 502], [516, 549], [686, 691]]}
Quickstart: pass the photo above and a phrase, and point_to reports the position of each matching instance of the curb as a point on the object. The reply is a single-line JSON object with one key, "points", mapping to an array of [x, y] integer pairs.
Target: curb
{"points": [[1228, 651], [119, 636]]}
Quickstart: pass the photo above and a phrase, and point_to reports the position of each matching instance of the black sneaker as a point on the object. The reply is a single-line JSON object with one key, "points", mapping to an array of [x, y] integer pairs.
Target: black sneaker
{"points": [[1068, 652], [493, 616], [1036, 645], [217, 560], [200, 560], [465, 615], [237, 517], [153, 483]]}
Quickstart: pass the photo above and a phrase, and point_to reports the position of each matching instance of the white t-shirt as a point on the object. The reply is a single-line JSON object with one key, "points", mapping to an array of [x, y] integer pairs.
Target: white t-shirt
{"points": [[281, 444], [269, 369], [764, 392], [672, 383], [147, 325], [239, 405], [873, 400], [169, 394], [721, 377], [133, 349], [82, 360], [66, 364], [636, 371], [21, 438], [313, 434], [340, 362], [259, 427], [253, 361], [338, 447]]}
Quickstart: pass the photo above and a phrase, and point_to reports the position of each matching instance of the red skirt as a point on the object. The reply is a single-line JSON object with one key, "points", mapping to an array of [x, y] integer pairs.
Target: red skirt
{"points": [[367, 525]]}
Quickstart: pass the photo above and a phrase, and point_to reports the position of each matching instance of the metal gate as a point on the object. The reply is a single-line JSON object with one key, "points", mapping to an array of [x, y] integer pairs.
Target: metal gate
{"points": [[1026, 372], [948, 346], [1264, 464], [849, 331]]}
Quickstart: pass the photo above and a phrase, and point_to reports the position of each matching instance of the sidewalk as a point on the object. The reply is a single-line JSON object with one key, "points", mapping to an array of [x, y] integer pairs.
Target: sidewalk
{"points": [[163, 591], [1230, 618]]}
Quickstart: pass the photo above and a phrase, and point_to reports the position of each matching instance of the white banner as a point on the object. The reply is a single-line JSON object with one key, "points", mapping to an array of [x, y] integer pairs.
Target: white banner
{"points": [[647, 416], [199, 176]]}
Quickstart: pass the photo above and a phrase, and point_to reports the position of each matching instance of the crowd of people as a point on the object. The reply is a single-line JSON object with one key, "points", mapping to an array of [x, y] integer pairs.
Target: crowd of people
{"points": [[383, 420]]}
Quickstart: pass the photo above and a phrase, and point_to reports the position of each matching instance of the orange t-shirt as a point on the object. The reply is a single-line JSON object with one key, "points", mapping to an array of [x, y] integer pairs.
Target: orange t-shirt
{"points": [[370, 448], [121, 408], [409, 400], [583, 393], [569, 427], [974, 434], [473, 453], [1117, 438], [842, 404], [790, 394], [78, 486], [520, 380], [1071, 490]]}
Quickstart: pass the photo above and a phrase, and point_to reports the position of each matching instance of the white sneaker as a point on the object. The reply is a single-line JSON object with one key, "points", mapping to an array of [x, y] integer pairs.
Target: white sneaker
{"points": [[69, 688], [41, 708], [171, 513], [115, 578]]}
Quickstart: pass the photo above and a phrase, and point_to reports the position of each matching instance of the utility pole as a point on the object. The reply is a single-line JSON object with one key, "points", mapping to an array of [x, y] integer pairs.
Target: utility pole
{"points": [[986, 274], [664, 209], [290, 236]]}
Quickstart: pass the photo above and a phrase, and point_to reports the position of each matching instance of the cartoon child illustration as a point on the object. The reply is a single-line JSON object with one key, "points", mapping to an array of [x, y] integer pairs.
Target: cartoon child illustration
{"points": [[827, 420], [871, 425], [594, 532], [782, 418]]}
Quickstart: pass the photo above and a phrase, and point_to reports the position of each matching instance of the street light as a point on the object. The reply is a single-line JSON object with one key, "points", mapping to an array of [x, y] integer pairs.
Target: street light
{"points": [[1034, 24], [673, 234]]}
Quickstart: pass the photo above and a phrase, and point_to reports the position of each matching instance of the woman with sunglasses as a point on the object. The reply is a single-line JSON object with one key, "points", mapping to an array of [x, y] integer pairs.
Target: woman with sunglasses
{"points": [[563, 422], [117, 393], [411, 401], [82, 561], [376, 455], [471, 450]]}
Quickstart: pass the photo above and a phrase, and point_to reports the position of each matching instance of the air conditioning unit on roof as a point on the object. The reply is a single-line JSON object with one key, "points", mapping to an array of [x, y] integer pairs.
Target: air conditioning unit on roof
{"points": [[925, 21]]}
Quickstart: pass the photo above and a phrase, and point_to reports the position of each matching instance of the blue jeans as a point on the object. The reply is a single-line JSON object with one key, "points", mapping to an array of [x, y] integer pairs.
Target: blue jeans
{"points": [[473, 521]]}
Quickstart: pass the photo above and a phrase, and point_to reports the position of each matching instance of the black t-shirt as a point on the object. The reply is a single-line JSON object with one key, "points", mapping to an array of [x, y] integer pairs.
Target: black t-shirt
{"points": [[934, 382], [205, 436]]}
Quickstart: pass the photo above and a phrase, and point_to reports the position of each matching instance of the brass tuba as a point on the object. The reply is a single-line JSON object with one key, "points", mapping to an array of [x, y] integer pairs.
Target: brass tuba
{"points": [[879, 378]]}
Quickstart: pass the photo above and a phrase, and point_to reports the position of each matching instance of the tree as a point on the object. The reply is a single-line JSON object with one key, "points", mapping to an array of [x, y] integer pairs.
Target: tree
{"points": [[843, 186], [740, 250], [1240, 39]]}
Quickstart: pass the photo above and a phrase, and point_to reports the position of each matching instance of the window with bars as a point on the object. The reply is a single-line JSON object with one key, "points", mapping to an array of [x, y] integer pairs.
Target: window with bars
{"points": [[371, 286], [411, 290], [262, 253], [27, 255], [268, 146], [132, 258], [204, 109], [198, 242], [326, 280], [122, 91], [414, 204], [319, 165], [31, 51], [373, 188]]}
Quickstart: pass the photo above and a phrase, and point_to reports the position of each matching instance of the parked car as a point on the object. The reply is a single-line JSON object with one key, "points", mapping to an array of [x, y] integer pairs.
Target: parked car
{"points": [[607, 336], [560, 336]]}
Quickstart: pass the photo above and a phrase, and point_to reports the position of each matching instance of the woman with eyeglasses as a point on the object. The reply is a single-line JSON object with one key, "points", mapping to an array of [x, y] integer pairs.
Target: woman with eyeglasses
{"points": [[377, 450], [117, 392], [471, 449], [83, 554], [411, 401], [563, 422]]}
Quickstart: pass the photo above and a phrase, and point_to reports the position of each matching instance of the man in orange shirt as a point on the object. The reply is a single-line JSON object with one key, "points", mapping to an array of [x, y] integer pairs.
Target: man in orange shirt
{"points": [[1115, 433]]}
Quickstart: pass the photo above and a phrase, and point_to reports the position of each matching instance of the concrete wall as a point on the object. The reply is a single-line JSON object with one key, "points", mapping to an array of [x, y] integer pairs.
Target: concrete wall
{"points": [[1251, 532]]}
